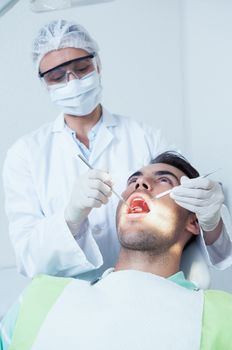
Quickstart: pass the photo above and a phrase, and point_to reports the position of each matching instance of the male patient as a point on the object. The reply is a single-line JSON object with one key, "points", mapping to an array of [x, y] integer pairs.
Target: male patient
{"points": [[144, 302]]}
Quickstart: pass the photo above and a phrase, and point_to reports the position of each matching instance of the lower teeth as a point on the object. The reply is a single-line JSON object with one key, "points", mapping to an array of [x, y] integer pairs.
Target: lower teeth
{"points": [[136, 210]]}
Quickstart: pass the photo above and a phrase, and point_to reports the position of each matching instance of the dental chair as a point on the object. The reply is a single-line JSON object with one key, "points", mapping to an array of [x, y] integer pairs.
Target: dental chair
{"points": [[194, 266]]}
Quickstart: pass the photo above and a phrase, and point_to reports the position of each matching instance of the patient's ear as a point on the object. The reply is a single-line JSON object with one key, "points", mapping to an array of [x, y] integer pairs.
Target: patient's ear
{"points": [[192, 224]]}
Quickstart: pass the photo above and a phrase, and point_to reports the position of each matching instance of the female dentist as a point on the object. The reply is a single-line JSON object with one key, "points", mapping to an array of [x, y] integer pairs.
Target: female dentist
{"points": [[61, 214]]}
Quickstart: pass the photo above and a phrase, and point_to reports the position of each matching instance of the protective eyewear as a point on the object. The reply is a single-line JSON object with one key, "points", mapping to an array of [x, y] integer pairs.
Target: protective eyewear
{"points": [[78, 67]]}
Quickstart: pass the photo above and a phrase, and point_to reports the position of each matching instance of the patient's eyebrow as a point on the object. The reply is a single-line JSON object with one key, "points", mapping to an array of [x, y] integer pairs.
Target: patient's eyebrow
{"points": [[155, 173], [166, 172], [137, 173]]}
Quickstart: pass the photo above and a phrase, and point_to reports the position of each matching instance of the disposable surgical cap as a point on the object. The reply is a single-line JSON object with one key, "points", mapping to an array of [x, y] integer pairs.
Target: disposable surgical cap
{"points": [[60, 34]]}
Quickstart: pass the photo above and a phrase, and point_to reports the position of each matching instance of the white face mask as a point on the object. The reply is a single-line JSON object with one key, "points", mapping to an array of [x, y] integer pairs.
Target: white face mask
{"points": [[78, 97]]}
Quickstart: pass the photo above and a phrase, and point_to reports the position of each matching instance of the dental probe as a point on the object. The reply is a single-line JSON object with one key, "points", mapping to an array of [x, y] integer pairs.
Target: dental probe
{"points": [[90, 167], [170, 190]]}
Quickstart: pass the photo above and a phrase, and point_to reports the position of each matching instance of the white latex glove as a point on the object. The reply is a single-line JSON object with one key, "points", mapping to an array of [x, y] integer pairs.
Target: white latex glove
{"points": [[201, 196], [90, 190]]}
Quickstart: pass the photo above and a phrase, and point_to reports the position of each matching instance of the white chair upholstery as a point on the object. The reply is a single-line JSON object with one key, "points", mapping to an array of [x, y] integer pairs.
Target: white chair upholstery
{"points": [[195, 267]]}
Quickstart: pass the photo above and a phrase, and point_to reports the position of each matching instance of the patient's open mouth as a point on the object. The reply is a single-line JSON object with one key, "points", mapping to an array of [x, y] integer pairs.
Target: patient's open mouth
{"points": [[138, 205]]}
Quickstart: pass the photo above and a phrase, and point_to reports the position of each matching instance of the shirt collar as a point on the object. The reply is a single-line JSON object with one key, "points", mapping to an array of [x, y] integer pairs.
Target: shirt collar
{"points": [[107, 118], [92, 132], [180, 279]]}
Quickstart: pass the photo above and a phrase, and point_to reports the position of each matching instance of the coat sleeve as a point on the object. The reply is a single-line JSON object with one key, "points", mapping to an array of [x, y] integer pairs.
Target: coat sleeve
{"points": [[42, 244], [219, 254]]}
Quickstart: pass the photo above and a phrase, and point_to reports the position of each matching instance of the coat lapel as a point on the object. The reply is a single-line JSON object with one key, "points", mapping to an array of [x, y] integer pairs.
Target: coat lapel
{"points": [[104, 137]]}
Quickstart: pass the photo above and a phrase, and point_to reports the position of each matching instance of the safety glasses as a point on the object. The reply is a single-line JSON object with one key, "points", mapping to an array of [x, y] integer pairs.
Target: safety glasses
{"points": [[78, 67]]}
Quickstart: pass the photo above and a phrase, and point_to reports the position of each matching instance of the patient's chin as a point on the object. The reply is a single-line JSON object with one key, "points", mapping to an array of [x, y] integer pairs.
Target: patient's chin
{"points": [[145, 240], [137, 241], [145, 226]]}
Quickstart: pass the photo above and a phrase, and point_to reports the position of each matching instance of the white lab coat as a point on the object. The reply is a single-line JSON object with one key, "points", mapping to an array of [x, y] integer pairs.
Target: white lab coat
{"points": [[38, 176]]}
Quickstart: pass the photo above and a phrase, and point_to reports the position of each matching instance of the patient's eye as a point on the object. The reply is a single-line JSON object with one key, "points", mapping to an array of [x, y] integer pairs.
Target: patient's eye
{"points": [[131, 180], [165, 180]]}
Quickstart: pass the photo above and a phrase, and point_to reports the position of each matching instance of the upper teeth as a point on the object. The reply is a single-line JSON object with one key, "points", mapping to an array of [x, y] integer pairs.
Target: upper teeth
{"points": [[138, 199]]}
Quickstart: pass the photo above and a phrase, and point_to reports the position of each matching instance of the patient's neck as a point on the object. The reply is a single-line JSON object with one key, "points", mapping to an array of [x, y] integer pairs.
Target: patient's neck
{"points": [[164, 264]]}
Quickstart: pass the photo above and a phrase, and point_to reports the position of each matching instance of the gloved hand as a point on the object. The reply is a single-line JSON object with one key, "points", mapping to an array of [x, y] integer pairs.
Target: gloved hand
{"points": [[90, 190], [201, 196]]}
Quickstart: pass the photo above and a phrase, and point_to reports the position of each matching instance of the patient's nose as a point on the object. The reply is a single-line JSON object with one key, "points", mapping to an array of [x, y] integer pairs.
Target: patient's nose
{"points": [[143, 183]]}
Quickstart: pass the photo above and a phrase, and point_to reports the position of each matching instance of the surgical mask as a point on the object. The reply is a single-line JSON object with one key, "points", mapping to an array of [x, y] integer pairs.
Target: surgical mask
{"points": [[78, 97]]}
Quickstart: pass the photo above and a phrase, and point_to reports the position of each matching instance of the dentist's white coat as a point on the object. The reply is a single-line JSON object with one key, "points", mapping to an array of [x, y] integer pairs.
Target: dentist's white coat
{"points": [[38, 175]]}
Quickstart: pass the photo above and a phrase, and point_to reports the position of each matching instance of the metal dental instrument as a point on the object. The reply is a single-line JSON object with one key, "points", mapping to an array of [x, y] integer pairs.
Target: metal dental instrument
{"points": [[170, 190], [90, 167]]}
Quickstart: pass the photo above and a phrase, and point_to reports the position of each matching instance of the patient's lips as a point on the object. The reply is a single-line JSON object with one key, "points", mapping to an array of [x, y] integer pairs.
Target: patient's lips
{"points": [[138, 205]]}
